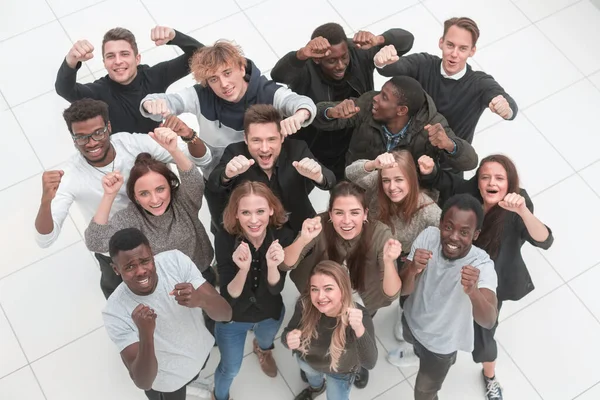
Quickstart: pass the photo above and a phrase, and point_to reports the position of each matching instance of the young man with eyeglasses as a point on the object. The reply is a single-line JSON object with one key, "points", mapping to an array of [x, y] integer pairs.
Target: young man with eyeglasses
{"points": [[80, 180]]}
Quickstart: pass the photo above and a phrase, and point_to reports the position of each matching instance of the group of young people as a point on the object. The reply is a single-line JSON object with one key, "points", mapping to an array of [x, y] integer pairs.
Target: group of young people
{"points": [[401, 223]]}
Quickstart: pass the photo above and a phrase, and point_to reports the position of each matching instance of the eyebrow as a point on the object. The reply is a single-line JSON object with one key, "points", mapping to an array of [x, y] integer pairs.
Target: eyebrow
{"points": [[354, 209]]}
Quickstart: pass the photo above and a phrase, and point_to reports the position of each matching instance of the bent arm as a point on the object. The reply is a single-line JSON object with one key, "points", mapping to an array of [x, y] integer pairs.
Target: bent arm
{"points": [[177, 103], [67, 87], [50, 218], [140, 360], [289, 69], [217, 308], [485, 307], [288, 103]]}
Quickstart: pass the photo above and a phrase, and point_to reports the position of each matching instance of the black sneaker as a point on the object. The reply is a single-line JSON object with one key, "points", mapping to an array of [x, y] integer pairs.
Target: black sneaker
{"points": [[493, 390], [310, 393], [362, 378]]}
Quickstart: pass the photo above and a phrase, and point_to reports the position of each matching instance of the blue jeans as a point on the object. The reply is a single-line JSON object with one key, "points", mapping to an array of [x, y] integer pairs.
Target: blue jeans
{"points": [[338, 385], [231, 337]]}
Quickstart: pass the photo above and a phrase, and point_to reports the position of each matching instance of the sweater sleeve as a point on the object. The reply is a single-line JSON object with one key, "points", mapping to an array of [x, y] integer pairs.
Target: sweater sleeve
{"points": [[177, 103], [165, 73], [215, 184], [290, 70], [379, 241], [67, 87], [192, 186], [97, 236], [325, 123], [356, 173], [525, 233], [365, 345], [408, 66], [293, 324], [401, 39], [490, 89], [60, 210], [288, 103], [465, 158], [224, 248]]}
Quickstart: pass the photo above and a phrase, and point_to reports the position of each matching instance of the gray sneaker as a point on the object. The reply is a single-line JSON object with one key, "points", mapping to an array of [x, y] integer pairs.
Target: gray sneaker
{"points": [[201, 388], [403, 357], [493, 390]]}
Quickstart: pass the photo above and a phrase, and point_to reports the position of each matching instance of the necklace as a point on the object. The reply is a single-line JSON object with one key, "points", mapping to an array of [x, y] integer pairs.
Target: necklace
{"points": [[113, 164]]}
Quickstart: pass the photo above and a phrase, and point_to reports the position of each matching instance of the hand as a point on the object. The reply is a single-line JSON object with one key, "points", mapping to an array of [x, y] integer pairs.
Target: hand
{"points": [[355, 317], [242, 257], [292, 124], [439, 138], [311, 227], [426, 165], [112, 183], [157, 107], [82, 51], [420, 260], [365, 40], [344, 109], [316, 48], [165, 137], [499, 105], [293, 339], [275, 255], [469, 276], [385, 160], [50, 183], [310, 169], [185, 295], [386, 56], [237, 166], [392, 250], [513, 202], [178, 126], [144, 318], [161, 35]]}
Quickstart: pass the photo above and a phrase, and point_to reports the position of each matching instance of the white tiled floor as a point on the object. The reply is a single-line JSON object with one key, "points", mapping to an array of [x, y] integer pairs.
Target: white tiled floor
{"points": [[52, 344]]}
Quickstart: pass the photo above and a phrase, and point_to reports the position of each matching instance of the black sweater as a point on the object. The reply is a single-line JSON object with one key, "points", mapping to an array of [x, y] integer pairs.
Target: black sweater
{"points": [[358, 353], [461, 101], [305, 77], [514, 280], [124, 100], [258, 300]]}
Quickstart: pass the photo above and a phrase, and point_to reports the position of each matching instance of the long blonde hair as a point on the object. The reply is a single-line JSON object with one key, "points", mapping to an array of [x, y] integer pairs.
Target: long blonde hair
{"points": [[311, 316]]}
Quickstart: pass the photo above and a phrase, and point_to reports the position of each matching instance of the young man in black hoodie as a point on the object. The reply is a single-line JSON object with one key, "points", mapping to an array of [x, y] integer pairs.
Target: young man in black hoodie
{"points": [[333, 68], [127, 81]]}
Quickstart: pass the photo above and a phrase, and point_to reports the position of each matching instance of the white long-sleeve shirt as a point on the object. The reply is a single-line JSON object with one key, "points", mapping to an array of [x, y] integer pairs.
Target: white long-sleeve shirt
{"points": [[82, 183]]}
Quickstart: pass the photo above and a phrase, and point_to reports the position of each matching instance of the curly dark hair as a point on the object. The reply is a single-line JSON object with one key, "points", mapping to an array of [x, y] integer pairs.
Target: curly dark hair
{"points": [[334, 33], [84, 109]]}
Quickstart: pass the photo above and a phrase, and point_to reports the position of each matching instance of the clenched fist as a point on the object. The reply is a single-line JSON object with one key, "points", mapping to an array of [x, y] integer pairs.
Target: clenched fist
{"points": [[144, 318], [513, 202], [165, 137], [310, 169], [386, 56], [385, 160], [420, 260], [178, 126], [426, 165], [237, 166], [184, 294], [242, 256], [344, 109], [392, 250], [157, 107], [161, 35], [316, 48], [275, 255], [82, 51], [499, 105], [50, 183], [112, 183], [365, 40], [293, 339], [311, 227], [355, 317], [293, 124], [439, 138], [469, 276]]}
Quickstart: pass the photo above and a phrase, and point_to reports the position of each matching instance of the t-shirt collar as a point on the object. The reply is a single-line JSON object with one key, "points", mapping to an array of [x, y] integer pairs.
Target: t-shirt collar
{"points": [[456, 76]]}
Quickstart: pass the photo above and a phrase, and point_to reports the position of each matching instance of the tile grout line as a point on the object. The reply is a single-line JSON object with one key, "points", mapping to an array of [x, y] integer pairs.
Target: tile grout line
{"points": [[67, 344], [259, 32], [519, 368], [587, 390], [340, 15]]}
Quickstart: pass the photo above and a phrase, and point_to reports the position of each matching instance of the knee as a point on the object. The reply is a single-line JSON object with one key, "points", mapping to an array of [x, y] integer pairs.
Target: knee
{"points": [[229, 368]]}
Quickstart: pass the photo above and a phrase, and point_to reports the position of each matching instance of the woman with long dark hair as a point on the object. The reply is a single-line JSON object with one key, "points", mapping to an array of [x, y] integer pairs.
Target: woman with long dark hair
{"points": [[509, 223], [366, 248], [331, 336]]}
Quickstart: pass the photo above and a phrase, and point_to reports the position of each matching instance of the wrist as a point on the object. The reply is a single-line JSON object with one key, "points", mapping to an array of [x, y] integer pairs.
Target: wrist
{"points": [[450, 146], [300, 55], [303, 113], [72, 63], [369, 166], [359, 332], [320, 179], [380, 40], [110, 196], [46, 202]]}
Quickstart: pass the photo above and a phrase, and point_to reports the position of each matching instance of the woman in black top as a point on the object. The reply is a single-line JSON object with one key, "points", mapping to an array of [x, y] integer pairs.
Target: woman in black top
{"points": [[249, 251], [509, 222]]}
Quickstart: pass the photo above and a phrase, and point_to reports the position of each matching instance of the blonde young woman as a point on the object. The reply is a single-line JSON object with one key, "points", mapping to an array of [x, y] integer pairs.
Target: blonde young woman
{"points": [[393, 195], [331, 336]]}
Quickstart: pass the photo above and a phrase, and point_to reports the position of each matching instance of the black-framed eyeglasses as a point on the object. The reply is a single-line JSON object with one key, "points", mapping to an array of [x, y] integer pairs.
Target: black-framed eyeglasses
{"points": [[82, 140]]}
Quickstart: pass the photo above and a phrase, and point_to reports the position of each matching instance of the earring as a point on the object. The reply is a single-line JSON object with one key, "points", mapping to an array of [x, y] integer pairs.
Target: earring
{"points": [[330, 221], [365, 221]]}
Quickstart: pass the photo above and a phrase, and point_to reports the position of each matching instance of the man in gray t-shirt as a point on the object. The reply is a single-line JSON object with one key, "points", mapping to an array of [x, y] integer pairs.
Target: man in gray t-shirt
{"points": [[451, 283], [155, 316]]}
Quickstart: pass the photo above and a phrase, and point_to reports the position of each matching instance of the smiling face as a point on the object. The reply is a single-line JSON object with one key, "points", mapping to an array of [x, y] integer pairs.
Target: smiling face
{"points": [[120, 61], [385, 105], [95, 151], [395, 184], [335, 64], [493, 183], [153, 193], [325, 295], [347, 216], [253, 215], [264, 144], [228, 82], [137, 269], [457, 47], [458, 230]]}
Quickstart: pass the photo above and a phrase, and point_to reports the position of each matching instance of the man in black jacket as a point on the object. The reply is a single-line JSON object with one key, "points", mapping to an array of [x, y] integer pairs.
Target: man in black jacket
{"points": [[128, 81], [332, 68], [287, 167]]}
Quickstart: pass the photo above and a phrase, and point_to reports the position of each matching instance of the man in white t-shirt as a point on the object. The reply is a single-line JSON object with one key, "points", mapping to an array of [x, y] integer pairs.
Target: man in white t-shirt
{"points": [[99, 153], [155, 316], [451, 283]]}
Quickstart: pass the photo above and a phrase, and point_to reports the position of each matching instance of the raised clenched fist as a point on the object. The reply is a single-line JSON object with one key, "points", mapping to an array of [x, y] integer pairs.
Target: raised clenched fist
{"points": [[310, 169], [365, 40], [82, 51], [469, 276], [50, 183], [355, 317], [513, 202], [242, 256], [293, 339], [499, 105], [344, 109], [420, 260], [386, 56], [392, 250], [157, 107], [311, 227], [165, 137], [237, 166], [112, 183], [275, 254], [162, 34], [439, 138], [426, 165], [293, 124], [144, 318], [316, 48]]}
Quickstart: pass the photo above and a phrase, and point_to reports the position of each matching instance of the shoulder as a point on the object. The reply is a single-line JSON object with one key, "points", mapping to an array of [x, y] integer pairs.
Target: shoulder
{"points": [[381, 232], [285, 235], [237, 148], [170, 257]]}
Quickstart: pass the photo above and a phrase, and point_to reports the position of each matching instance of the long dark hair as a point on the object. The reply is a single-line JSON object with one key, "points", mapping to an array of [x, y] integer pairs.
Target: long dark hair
{"points": [[493, 222], [358, 255]]}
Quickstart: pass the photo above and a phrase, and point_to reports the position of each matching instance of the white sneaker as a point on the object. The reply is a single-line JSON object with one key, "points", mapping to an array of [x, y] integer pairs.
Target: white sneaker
{"points": [[201, 388], [398, 331], [403, 357]]}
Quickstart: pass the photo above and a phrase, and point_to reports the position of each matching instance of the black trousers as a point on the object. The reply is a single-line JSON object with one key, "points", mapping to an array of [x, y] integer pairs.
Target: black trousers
{"points": [[486, 348], [176, 395], [109, 280], [433, 367]]}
